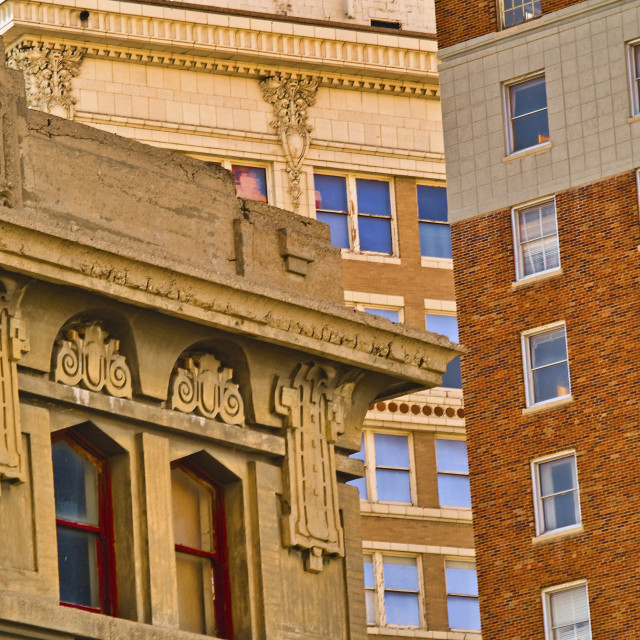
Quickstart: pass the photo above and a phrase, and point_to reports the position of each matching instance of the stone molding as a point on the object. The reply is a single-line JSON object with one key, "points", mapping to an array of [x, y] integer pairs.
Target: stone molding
{"points": [[88, 357], [201, 384], [291, 99], [13, 344], [48, 74], [314, 414]]}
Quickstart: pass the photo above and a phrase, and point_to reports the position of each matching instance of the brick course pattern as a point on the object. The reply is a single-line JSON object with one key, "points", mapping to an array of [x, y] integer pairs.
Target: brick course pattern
{"points": [[596, 296], [461, 20]]}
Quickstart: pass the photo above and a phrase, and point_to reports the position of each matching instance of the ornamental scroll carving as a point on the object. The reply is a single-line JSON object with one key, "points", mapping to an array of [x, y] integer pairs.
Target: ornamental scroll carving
{"points": [[13, 344], [87, 357], [48, 74], [202, 385], [290, 99], [313, 409]]}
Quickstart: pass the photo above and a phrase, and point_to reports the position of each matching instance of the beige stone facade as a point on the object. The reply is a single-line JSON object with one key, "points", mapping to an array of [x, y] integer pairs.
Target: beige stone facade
{"points": [[364, 105]]}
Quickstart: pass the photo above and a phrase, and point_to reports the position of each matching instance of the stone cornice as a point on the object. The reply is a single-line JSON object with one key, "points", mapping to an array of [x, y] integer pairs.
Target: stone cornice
{"points": [[377, 62]]}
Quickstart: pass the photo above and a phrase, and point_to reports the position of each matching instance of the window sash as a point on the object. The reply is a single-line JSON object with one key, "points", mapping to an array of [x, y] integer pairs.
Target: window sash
{"points": [[568, 610], [528, 124], [515, 11], [556, 510], [542, 378]]}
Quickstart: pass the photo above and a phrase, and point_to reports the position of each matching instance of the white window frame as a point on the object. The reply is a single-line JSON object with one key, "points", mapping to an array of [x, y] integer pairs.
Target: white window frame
{"points": [[526, 360], [548, 593], [370, 467], [515, 24], [517, 244], [634, 91], [433, 261], [447, 560], [378, 577], [506, 99], [361, 301], [352, 213], [448, 473], [541, 529]]}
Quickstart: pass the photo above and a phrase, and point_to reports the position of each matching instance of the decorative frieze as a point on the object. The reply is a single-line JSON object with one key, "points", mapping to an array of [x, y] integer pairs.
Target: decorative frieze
{"points": [[48, 73], [291, 98], [313, 411], [87, 357], [201, 384]]}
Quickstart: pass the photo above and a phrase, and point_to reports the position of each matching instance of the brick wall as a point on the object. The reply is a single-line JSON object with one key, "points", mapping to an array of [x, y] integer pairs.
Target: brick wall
{"points": [[460, 20], [597, 296]]}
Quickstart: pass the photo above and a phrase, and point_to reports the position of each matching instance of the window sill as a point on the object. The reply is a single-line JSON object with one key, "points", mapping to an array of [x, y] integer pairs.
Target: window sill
{"points": [[549, 404], [436, 263], [412, 512], [633, 119], [416, 632], [539, 148], [555, 535], [370, 257], [539, 277]]}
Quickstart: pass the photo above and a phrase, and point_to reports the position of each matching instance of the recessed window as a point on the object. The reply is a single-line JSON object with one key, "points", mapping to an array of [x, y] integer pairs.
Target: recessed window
{"points": [[546, 364], [462, 595], [251, 182], [557, 501], [517, 11], [453, 473], [567, 612], [527, 114], [198, 527], [388, 468], [433, 222], [536, 239], [447, 325], [84, 528], [385, 24], [358, 212], [634, 72], [369, 303], [392, 590]]}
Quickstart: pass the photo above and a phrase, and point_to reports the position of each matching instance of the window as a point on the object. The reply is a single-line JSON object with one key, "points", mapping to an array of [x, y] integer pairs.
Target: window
{"points": [[634, 68], [555, 484], [517, 11], [389, 314], [388, 468], [83, 524], [392, 590], [447, 325], [358, 212], [536, 239], [390, 307], [546, 364], [527, 114], [198, 526], [453, 473], [462, 595], [251, 182], [566, 611], [433, 222]]}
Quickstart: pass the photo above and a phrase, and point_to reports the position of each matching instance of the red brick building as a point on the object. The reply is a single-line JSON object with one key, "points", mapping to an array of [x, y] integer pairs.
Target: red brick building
{"points": [[541, 116]]}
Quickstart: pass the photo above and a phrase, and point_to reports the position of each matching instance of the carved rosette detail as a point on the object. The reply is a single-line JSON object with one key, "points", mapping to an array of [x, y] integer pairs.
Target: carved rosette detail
{"points": [[313, 410], [88, 358], [48, 74], [202, 385], [291, 98]]}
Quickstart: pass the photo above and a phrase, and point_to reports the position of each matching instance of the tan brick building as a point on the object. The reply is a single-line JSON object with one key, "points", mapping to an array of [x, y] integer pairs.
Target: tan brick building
{"points": [[542, 128], [330, 109]]}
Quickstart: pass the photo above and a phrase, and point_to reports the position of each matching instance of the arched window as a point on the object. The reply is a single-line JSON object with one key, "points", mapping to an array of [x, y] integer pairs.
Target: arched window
{"points": [[84, 525], [199, 532]]}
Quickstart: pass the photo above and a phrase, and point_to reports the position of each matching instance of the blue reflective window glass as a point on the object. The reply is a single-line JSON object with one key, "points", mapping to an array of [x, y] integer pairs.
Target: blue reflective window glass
{"points": [[528, 96], [462, 581], [338, 227], [453, 469], [331, 193], [392, 451], [548, 347], [400, 573], [435, 240], [375, 234], [445, 325], [529, 121], [78, 567], [464, 613], [393, 486], [454, 491], [369, 582], [451, 455], [432, 203], [373, 197], [402, 608], [390, 314], [452, 377]]}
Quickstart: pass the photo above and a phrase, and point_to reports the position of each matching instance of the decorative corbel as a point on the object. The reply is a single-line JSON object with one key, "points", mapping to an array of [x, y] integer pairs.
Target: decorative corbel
{"points": [[291, 99], [48, 73]]}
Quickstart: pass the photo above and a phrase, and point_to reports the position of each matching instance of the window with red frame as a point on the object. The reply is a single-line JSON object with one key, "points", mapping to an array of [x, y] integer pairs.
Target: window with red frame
{"points": [[84, 525], [198, 526]]}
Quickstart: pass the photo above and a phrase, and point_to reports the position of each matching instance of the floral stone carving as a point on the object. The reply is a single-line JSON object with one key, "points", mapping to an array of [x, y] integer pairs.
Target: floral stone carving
{"points": [[89, 358], [48, 73], [314, 417], [290, 99], [204, 386]]}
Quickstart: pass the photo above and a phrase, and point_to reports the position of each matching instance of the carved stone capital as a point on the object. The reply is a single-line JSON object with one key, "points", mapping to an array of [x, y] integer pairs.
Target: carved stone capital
{"points": [[48, 73], [88, 358], [202, 385], [313, 411], [291, 99]]}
